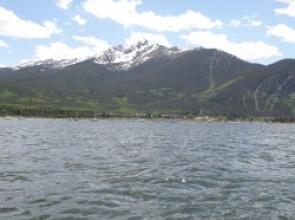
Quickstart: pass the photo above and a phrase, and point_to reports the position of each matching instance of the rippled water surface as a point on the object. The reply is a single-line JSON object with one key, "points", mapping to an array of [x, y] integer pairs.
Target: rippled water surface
{"points": [[122, 169]]}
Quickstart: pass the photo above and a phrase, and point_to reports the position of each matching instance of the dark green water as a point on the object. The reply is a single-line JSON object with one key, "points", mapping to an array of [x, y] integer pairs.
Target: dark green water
{"points": [[120, 169]]}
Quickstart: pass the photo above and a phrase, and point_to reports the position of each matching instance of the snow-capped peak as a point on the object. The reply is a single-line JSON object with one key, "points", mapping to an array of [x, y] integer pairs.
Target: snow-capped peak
{"points": [[130, 56], [121, 54], [120, 57]]}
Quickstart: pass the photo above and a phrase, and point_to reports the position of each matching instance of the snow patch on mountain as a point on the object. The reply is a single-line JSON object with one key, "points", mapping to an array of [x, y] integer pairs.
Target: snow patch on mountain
{"points": [[50, 64]]}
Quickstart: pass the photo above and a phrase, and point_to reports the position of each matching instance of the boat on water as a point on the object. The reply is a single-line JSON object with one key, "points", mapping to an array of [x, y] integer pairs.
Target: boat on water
{"points": [[94, 119], [73, 119], [8, 118]]}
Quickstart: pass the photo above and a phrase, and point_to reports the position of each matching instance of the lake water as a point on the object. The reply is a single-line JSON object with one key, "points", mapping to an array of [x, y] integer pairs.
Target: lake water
{"points": [[128, 169]]}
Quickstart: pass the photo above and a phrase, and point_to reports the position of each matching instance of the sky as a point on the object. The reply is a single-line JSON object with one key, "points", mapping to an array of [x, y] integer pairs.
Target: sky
{"points": [[260, 31]]}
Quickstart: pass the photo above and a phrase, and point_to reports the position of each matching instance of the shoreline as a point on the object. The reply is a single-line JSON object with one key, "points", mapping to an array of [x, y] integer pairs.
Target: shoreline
{"points": [[197, 119], [95, 114]]}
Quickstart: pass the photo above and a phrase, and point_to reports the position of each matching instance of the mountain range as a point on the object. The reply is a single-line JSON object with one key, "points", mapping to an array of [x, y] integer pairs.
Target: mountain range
{"points": [[154, 79]]}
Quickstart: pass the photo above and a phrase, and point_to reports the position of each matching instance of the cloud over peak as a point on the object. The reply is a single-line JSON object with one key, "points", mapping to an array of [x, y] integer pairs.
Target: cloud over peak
{"points": [[135, 37], [91, 46], [95, 43], [282, 31], [249, 50], [125, 12]]}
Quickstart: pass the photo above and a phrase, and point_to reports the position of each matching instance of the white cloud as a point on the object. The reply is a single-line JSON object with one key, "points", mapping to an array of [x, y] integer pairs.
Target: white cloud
{"points": [[64, 4], [125, 12], [97, 44], [235, 23], [79, 20], [252, 21], [59, 50], [282, 31], [11, 25], [249, 50], [246, 21], [289, 10], [3, 44], [153, 38]]}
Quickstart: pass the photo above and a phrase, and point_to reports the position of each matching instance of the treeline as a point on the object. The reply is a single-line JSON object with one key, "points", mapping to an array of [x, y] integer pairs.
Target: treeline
{"points": [[74, 113], [284, 120], [46, 113]]}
